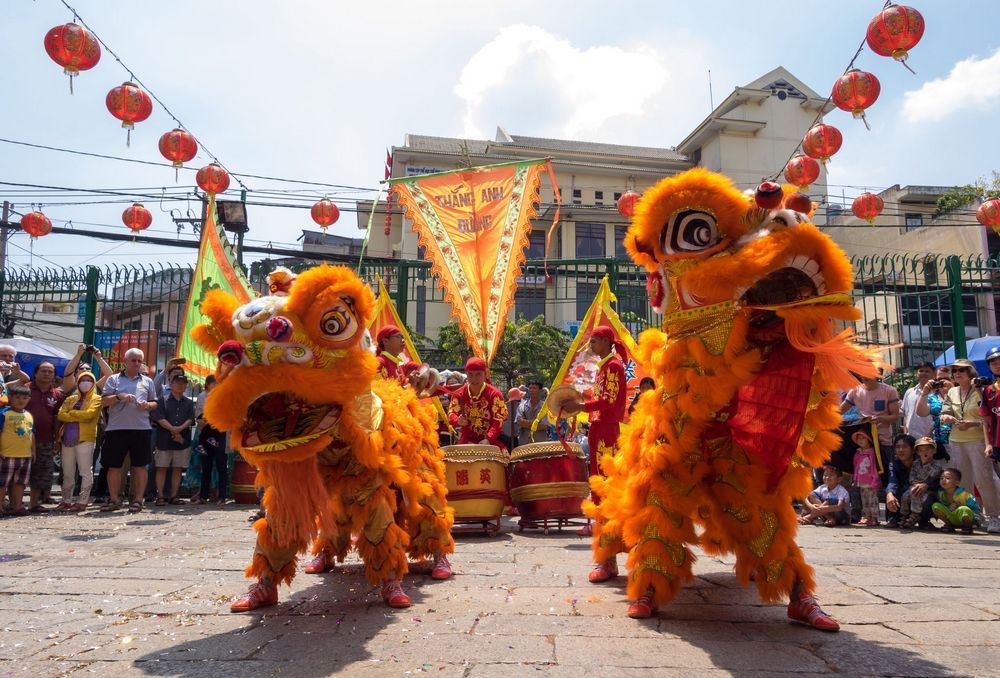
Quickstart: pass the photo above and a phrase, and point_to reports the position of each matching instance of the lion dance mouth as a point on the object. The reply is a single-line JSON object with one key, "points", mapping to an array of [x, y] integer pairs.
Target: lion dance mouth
{"points": [[278, 420]]}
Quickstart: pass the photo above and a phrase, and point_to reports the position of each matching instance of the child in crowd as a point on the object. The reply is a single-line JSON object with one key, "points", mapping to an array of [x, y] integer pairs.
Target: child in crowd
{"points": [[955, 505], [829, 503], [17, 448], [924, 477], [866, 477]]}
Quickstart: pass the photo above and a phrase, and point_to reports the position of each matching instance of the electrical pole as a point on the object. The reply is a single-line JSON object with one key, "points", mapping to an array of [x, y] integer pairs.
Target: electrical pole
{"points": [[3, 235]]}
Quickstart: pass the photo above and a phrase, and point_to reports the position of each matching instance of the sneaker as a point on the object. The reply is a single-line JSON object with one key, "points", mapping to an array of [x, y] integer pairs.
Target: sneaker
{"points": [[603, 572], [586, 531], [993, 525], [805, 610], [319, 564], [442, 568], [393, 595], [259, 595], [644, 608]]}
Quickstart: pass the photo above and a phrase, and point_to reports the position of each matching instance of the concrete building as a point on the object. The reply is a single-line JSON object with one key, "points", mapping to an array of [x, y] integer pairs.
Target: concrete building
{"points": [[747, 136]]}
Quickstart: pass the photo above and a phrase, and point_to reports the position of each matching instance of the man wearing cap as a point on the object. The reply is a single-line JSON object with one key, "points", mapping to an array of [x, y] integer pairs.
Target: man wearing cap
{"points": [[389, 347], [174, 417], [606, 409], [478, 408]]}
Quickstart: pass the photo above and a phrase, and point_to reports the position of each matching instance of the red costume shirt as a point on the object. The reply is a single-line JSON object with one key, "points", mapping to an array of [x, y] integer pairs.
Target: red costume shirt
{"points": [[485, 412], [388, 366], [609, 401]]}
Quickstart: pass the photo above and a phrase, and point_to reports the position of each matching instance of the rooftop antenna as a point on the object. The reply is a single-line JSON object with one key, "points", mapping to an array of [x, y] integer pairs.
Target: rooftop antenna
{"points": [[711, 98]]}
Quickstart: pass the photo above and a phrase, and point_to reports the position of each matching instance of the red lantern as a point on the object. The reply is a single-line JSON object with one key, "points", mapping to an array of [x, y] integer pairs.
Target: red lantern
{"points": [[74, 48], [129, 104], [867, 206], [36, 224], [988, 214], [855, 91], [178, 147], [325, 213], [801, 171], [895, 30], [626, 203], [213, 179], [821, 142], [137, 218]]}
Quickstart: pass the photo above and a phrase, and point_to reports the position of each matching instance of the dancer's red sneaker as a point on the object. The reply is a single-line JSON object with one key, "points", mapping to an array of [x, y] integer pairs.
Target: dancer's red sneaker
{"points": [[260, 594], [442, 568], [603, 572], [393, 595], [644, 608], [320, 564], [804, 609]]}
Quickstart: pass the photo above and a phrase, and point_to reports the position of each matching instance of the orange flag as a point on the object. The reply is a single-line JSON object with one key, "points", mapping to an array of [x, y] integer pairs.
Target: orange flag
{"points": [[474, 226]]}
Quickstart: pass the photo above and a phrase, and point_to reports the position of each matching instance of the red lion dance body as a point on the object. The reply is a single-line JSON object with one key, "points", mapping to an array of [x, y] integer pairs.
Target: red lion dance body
{"points": [[340, 451], [747, 366]]}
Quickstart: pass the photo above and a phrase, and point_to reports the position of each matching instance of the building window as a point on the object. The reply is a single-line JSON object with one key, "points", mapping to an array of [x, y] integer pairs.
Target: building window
{"points": [[529, 301], [585, 293], [536, 246], [930, 271], [590, 240], [914, 221], [618, 196], [577, 196], [158, 321], [620, 251], [598, 197], [421, 310]]}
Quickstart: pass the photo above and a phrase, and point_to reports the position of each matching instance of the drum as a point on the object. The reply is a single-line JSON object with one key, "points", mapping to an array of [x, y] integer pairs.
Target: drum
{"points": [[547, 484], [477, 482], [242, 486]]}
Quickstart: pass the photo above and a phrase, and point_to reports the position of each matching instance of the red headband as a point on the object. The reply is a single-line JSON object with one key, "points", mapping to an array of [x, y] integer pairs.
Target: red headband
{"points": [[383, 334], [605, 332], [475, 364]]}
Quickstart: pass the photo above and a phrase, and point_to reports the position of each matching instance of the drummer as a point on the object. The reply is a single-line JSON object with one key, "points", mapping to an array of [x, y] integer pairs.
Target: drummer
{"points": [[478, 408], [607, 407], [390, 344]]}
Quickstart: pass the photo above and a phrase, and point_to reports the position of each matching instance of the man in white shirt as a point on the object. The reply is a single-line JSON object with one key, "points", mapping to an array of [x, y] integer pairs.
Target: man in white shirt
{"points": [[913, 423]]}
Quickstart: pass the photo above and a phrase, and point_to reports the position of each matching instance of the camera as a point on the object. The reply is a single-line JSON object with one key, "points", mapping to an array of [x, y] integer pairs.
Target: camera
{"points": [[937, 383], [980, 382], [91, 347]]}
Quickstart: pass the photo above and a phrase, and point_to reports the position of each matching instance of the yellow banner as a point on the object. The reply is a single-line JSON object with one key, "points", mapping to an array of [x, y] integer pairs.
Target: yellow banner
{"points": [[474, 226]]}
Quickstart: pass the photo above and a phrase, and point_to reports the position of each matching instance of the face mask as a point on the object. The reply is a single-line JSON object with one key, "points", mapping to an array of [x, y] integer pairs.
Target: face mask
{"points": [[85, 386]]}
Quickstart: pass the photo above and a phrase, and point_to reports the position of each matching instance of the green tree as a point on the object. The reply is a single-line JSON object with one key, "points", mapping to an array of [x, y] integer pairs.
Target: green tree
{"points": [[963, 196], [528, 349]]}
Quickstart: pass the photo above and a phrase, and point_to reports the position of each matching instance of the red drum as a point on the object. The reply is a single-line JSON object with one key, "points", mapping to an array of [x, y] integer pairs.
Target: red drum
{"points": [[547, 484], [243, 488]]}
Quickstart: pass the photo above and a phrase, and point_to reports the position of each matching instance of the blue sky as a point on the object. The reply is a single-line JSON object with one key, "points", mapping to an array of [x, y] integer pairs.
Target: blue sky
{"points": [[318, 90]]}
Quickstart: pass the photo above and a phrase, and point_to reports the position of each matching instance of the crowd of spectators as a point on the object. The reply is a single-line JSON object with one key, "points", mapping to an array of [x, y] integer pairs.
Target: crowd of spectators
{"points": [[107, 432]]}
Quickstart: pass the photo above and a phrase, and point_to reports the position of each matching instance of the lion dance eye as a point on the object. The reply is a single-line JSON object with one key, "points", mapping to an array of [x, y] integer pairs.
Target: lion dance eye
{"points": [[690, 231], [338, 323]]}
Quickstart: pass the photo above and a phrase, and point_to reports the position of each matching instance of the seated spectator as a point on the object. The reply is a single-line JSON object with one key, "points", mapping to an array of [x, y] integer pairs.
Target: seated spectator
{"points": [[79, 414], [955, 505], [174, 416], [17, 448], [925, 475], [829, 503], [899, 476]]}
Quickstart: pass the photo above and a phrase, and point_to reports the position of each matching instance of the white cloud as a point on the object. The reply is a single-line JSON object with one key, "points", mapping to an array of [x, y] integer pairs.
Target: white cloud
{"points": [[973, 83], [542, 81]]}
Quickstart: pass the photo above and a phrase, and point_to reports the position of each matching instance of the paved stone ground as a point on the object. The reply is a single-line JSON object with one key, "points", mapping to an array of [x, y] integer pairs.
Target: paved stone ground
{"points": [[149, 595]]}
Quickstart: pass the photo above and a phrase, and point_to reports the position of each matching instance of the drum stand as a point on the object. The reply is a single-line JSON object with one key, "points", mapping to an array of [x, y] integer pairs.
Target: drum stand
{"points": [[488, 526], [547, 522]]}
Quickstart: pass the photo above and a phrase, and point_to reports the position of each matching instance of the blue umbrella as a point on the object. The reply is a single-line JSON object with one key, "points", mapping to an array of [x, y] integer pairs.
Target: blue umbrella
{"points": [[31, 352], [977, 349]]}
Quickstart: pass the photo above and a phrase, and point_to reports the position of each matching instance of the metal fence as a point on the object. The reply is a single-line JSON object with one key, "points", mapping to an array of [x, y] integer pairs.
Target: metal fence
{"points": [[916, 307]]}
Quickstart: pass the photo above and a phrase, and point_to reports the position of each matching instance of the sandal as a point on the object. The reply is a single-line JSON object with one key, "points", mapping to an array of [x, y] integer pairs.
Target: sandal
{"points": [[830, 522], [803, 520], [160, 501], [111, 506], [175, 500], [135, 507], [38, 509]]}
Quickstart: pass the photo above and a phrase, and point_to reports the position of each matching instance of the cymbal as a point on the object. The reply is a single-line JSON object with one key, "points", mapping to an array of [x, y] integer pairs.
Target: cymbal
{"points": [[560, 397]]}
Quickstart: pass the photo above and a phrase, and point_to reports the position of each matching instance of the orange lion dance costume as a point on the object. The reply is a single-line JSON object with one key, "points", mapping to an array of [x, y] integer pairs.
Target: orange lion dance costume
{"points": [[746, 364], [339, 450]]}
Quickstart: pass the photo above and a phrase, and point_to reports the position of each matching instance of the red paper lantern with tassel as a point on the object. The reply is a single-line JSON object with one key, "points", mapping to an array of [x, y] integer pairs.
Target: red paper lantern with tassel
{"points": [[213, 179], [894, 31], [325, 213], [867, 206], [129, 104], [36, 224], [855, 91], [801, 171], [626, 203], [178, 147], [137, 218], [74, 48], [988, 214], [821, 142]]}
